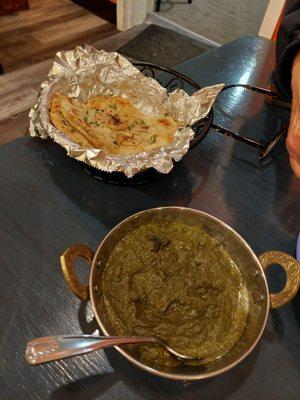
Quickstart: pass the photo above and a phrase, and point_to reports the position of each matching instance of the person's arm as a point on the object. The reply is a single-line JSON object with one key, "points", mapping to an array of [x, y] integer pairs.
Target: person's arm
{"points": [[293, 138], [286, 76], [287, 45]]}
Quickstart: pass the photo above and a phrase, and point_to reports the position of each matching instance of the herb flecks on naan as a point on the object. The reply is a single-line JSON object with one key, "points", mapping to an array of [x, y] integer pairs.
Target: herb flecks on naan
{"points": [[115, 112], [112, 124], [61, 123]]}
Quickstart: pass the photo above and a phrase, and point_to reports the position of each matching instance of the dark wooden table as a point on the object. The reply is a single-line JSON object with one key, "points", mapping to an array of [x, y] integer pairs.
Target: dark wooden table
{"points": [[47, 202]]}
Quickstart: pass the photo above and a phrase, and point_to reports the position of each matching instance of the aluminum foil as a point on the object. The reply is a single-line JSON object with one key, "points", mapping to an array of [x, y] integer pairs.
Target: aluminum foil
{"points": [[85, 72]]}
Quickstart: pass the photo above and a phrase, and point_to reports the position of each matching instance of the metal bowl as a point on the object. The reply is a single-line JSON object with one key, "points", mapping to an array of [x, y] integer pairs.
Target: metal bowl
{"points": [[251, 266]]}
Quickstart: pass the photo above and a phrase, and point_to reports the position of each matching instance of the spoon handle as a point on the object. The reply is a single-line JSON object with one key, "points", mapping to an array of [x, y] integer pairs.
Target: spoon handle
{"points": [[51, 348]]}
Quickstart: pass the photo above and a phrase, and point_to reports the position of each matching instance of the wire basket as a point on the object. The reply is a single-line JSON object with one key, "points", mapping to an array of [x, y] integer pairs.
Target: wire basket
{"points": [[171, 80]]}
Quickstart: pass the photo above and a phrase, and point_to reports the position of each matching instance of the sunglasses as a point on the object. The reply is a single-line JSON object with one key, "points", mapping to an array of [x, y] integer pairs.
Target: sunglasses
{"points": [[171, 80]]}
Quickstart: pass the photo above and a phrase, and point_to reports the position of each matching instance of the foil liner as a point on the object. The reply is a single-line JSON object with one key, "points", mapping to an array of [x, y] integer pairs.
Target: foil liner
{"points": [[85, 72]]}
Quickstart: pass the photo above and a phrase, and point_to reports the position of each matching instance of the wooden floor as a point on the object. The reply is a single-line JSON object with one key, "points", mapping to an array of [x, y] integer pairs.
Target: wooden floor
{"points": [[33, 35], [28, 43], [219, 20]]}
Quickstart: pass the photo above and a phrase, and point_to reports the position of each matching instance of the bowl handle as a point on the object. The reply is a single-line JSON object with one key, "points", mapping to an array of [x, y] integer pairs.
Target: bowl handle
{"points": [[292, 270], [67, 261]]}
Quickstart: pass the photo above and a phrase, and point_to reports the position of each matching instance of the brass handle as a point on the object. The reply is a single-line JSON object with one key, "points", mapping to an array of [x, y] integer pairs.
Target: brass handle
{"points": [[67, 261], [292, 270]]}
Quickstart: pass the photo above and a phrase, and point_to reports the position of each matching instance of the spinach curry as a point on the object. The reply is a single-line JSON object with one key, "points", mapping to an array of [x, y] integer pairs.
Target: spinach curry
{"points": [[177, 283]]}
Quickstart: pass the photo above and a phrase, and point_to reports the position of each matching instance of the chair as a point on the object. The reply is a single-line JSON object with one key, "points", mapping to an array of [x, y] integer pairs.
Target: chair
{"points": [[158, 3]]}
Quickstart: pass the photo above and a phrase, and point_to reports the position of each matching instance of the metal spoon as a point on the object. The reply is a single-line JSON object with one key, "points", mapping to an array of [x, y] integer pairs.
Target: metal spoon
{"points": [[51, 348]]}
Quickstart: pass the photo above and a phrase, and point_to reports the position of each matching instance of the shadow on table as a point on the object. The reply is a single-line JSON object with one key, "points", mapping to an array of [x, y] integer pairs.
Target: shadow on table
{"points": [[147, 386], [151, 386], [270, 206], [87, 325], [111, 203], [270, 187], [296, 307], [87, 388], [274, 330]]}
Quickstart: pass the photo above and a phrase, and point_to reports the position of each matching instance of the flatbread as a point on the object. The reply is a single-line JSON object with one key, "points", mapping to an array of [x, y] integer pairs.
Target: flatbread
{"points": [[84, 120], [61, 123], [116, 112], [115, 125]]}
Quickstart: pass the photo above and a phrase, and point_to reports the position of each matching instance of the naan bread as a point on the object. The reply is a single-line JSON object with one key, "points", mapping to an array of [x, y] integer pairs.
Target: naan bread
{"points": [[76, 114], [61, 123], [115, 125], [114, 112]]}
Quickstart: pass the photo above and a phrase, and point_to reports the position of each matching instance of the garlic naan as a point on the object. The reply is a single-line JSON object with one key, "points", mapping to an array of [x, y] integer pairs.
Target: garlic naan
{"points": [[115, 125], [61, 123]]}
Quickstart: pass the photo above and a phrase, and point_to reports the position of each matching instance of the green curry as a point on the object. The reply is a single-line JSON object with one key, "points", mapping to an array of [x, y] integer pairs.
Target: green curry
{"points": [[177, 283]]}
